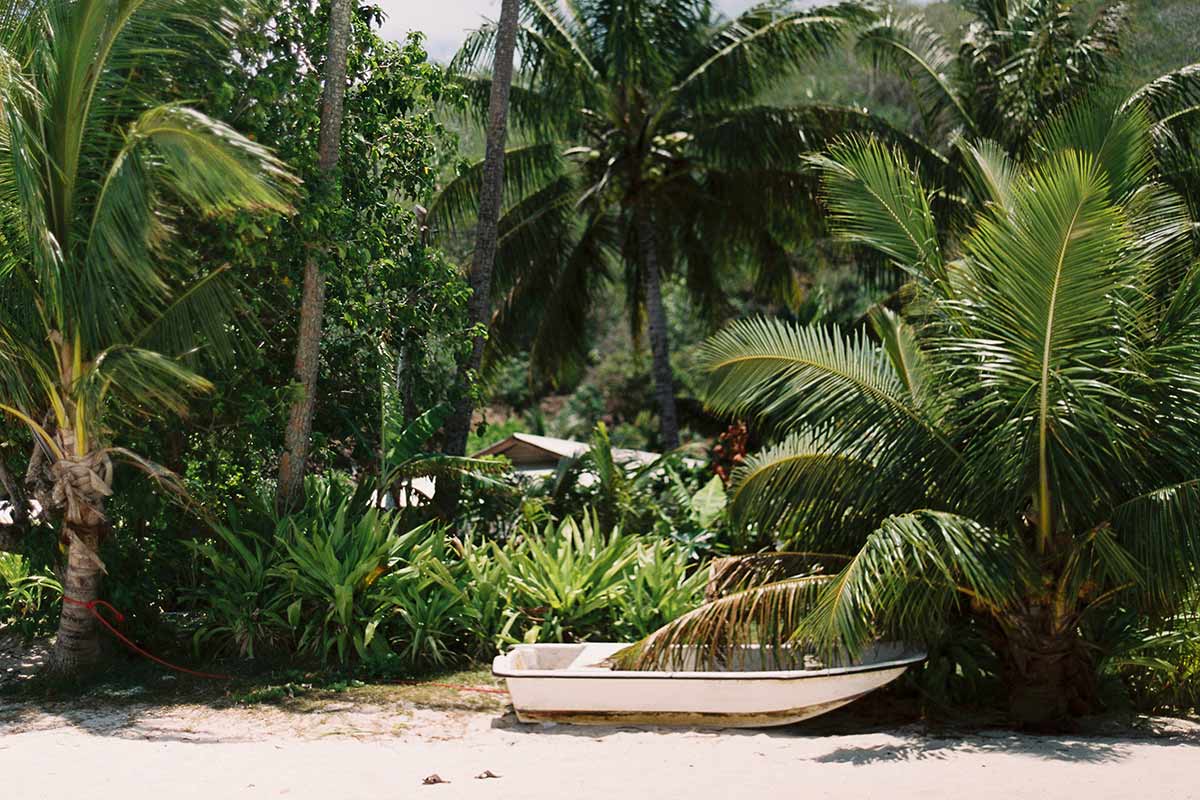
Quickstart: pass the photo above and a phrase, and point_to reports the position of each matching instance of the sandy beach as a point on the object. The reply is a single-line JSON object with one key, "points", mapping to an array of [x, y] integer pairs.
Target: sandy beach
{"points": [[379, 747]]}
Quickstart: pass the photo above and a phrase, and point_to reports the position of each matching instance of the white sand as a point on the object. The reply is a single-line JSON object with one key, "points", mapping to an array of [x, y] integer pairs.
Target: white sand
{"points": [[351, 749]]}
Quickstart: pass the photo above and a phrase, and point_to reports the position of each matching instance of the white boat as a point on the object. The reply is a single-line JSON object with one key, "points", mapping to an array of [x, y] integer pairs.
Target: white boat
{"points": [[572, 683]]}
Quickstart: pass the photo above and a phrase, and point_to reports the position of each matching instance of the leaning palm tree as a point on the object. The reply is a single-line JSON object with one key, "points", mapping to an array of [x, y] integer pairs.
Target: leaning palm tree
{"points": [[647, 153], [1018, 446], [101, 312]]}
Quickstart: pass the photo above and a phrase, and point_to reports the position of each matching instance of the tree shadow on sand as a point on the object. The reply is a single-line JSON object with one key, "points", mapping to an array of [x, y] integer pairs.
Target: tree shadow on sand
{"points": [[911, 741], [1047, 748]]}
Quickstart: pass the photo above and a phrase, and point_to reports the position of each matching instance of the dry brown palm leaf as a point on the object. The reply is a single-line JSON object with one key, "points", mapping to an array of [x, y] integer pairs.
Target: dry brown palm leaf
{"points": [[748, 629], [735, 573]]}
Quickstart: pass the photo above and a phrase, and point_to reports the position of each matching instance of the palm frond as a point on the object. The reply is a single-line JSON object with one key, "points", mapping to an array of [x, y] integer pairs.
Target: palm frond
{"points": [[990, 172], [438, 465], [1159, 530], [1169, 97], [146, 381], [910, 48], [557, 73], [527, 168], [530, 111], [170, 154], [536, 228], [947, 557], [717, 633], [1120, 142], [1172, 102], [756, 50], [550, 304], [737, 573], [903, 347], [201, 319], [1163, 246], [806, 493], [876, 200], [790, 378], [166, 481], [561, 33], [1098, 51], [1041, 300]]}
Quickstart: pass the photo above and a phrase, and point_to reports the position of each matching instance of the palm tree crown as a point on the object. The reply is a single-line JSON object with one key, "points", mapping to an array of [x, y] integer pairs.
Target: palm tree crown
{"points": [[647, 154], [1020, 63]]}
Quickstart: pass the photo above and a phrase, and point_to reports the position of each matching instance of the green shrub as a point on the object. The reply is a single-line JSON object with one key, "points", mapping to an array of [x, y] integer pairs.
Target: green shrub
{"points": [[1158, 665], [27, 598], [481, 580], [311, 586], [244, 609], [424, 628], [334, 561], [338, 581], [658, 588], [567, 581]]}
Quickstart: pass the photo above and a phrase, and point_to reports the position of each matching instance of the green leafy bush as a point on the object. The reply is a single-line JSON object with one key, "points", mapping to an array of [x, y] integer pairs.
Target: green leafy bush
{"points": [[425, 627], [332, 570], [244, 608], [311, 585], [1158, 665], [340, 581], [567, 581], [26, 596], [661, 585], [481, 581]]}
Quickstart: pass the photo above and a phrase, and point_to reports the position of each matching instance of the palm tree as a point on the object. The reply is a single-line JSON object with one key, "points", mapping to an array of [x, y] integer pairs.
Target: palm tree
{"points": [[1021, 62], [298, 434], [1018, 447], [646, 153], [101, 315]]}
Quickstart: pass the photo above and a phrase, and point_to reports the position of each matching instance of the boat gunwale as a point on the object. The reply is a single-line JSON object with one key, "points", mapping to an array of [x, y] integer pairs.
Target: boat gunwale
{"points": [[592, 673]]}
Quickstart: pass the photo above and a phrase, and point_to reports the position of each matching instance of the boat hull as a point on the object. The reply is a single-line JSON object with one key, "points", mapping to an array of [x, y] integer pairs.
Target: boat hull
{"points": [[566, 683]]}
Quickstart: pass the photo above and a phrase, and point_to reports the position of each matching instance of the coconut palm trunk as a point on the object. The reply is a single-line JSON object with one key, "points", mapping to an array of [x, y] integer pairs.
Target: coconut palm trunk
{"points": [[1049, 672], [656, 328], [298, 434], [77, 644], [491, 196], [81, 484]]}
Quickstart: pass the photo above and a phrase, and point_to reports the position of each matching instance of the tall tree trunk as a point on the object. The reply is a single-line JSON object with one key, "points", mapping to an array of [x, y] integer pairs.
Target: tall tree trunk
{"points": [[77, 645], [656, 319], [81, 485], [491, 194], [298, 435]]}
